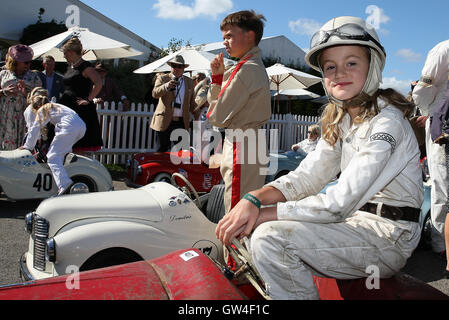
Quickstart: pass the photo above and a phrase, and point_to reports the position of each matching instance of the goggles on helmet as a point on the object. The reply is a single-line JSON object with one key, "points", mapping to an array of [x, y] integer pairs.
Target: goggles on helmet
{"points": [[349, 31]]}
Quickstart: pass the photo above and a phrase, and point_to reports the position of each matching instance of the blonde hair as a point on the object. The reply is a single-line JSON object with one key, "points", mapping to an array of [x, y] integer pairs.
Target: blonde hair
{"points": [[333, 115], [41, 106], [11, 64], [315, 129], [73, 44]]}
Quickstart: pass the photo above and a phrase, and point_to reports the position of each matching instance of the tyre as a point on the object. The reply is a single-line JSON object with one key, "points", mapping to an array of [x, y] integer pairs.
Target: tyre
{"points": [[82, 185], [110, 257], [162, 177], [215, 209]]}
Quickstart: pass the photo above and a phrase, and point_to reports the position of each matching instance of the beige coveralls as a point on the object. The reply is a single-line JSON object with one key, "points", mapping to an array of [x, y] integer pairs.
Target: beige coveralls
{"points": [[326, 234], [243, 102]]}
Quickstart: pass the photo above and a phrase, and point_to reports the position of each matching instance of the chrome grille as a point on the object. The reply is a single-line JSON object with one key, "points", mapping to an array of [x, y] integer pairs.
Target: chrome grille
{"points": [[40, 236]]}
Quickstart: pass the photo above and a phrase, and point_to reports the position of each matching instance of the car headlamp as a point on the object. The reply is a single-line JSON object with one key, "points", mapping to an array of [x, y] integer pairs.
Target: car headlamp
{"points": [[51, 250], [29, 218]]}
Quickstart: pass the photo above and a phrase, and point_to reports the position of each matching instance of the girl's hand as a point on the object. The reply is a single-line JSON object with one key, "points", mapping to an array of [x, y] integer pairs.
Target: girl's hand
{"points": [[239, 222]]}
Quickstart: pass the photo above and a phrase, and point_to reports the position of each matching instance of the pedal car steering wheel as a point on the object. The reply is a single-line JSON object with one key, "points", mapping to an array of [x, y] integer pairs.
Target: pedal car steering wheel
{"points": [[187, 188], [245, 266]]}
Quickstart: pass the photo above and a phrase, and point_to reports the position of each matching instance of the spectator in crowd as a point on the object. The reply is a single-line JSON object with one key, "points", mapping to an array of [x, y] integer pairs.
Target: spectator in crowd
{"points": [[239, 99], [309, 144], [82, 84], [370, 217], [428, 94], [110, 91], [176, 102], [439, 132], [202, 84], [16, 81], [69, 129], [43, 143], [51, 81]]}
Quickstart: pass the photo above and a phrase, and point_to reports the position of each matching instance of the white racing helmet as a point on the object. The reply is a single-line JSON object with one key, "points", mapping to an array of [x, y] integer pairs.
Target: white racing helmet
{"points": [[349, 31]]}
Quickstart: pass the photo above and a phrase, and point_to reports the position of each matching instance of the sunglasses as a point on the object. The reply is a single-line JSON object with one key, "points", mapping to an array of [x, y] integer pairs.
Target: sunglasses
{"points": [[177, 66], [27, 62]]}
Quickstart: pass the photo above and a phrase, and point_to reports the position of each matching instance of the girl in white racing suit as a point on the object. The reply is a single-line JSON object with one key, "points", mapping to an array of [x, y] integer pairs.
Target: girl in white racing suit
{"points": [[69, 128], [369, 218]]}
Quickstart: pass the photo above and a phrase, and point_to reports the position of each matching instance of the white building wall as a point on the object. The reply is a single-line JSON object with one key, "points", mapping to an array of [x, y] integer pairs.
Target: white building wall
{"points": [[15, 15], [278, 47]]}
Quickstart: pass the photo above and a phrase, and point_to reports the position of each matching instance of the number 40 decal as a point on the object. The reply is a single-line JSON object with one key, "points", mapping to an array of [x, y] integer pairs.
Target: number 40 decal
{"points": [[44, 183]]}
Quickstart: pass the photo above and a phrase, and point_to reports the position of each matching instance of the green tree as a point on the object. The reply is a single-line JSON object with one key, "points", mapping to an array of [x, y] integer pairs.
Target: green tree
{"points": [[174, 45], [42, 30]]}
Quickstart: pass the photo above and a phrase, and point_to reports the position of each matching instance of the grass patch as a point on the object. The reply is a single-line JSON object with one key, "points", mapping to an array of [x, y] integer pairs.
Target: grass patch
{"points": [[118, 172]]}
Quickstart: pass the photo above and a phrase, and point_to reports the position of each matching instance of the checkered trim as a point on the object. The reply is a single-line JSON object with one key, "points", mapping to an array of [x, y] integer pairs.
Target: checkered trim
{"points": [[384, 137]]}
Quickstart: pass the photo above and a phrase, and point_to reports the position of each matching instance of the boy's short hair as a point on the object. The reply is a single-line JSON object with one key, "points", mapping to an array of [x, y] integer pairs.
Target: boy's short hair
{"points": [[247, 21]]}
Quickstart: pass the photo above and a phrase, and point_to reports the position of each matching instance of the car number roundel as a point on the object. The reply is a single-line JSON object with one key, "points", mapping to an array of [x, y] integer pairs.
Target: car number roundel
{"points": [[43, 182], [207, 247]]}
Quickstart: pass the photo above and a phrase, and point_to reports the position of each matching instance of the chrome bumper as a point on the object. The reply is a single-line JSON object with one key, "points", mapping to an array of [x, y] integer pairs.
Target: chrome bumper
{"points": [[24, 273]]}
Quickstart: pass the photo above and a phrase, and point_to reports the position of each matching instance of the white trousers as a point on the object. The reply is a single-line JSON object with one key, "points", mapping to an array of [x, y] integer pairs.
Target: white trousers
{"points": [[61, 145], [288, 253], [438, 171]]}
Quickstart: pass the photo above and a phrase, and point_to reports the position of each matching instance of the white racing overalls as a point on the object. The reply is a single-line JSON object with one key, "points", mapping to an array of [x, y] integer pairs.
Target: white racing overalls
{"points": [[326, 234], [69, 128], [427, 94]]}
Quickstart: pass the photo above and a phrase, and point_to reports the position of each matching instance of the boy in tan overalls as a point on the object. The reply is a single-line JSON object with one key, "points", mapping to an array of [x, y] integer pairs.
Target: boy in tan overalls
{"points": [[239, 98]]}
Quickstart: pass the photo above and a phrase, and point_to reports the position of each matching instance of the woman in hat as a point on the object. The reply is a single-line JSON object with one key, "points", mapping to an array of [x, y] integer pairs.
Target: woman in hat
{"points": [[82, 84], [368, 221], [16, 81]]}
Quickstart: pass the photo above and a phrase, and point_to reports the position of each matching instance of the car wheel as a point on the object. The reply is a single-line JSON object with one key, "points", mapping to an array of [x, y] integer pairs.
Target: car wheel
{"points": [[110, 257], [162, 177], [426, 237], [215, 208], [82, 185]]}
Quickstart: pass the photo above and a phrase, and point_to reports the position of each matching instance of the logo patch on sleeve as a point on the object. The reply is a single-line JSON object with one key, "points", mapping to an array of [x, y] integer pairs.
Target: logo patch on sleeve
{"points": [[384, 137]]}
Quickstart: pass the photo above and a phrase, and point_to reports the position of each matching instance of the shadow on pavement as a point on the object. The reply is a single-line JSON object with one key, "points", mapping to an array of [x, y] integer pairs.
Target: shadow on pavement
{"points": [[17, 209], [425, 265]]}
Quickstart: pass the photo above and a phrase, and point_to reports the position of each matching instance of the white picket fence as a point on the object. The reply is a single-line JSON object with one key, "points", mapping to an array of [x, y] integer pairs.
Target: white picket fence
{"points": [[126, 133]]}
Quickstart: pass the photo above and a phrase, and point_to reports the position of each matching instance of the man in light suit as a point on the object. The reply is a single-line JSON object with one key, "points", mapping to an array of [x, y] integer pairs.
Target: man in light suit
{"points": [[50, 79], [176, 101]]}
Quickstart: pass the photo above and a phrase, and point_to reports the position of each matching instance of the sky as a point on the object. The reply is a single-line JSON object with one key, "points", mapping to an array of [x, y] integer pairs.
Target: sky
{"points": [[407, 29]]}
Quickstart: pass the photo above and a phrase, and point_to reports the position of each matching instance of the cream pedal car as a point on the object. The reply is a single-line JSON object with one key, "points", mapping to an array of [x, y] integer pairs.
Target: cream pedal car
{"points": [[95, 230], [27, 176]]}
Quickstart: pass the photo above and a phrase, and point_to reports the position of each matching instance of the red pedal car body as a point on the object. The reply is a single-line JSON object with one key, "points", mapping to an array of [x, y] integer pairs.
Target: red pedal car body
{"points": [[190, 275]]}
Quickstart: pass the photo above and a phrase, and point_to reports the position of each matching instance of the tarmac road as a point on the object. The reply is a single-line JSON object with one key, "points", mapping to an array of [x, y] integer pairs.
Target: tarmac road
{"points": [[423, 264]]}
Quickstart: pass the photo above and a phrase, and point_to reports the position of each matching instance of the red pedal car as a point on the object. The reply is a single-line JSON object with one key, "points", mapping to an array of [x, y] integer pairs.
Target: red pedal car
{"points": [[190, 275], [148, 167]]}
